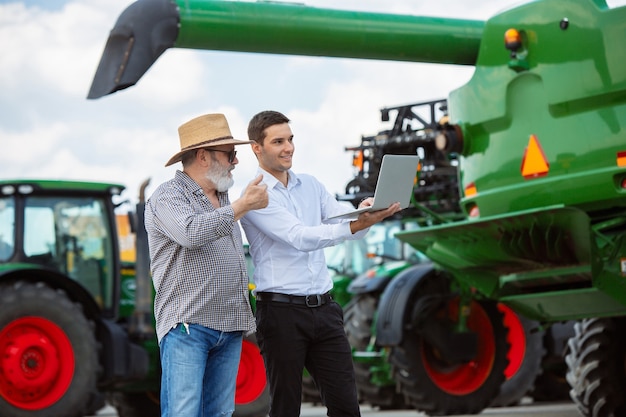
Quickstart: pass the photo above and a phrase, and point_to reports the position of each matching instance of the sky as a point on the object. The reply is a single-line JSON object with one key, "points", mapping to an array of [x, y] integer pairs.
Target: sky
{"points": [[50, 50]]}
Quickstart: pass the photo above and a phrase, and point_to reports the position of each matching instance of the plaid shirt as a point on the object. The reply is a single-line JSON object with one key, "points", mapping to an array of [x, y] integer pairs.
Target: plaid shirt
{"points": [[197, 260]]}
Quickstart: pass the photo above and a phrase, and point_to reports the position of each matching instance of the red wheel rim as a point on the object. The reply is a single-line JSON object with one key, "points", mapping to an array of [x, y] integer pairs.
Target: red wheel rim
{"points": [[251, 378], [465, 378], [516, 339], [37, 363]]}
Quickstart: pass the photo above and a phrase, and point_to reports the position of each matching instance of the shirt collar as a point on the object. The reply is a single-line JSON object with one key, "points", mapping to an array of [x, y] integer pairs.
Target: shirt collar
{"points": [[187, 182], [272, 181]]}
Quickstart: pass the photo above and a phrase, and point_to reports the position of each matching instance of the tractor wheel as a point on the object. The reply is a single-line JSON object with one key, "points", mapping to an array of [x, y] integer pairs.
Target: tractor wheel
{"points": [[359, 186], [252, 398], [596, 370], [49, 355], [525, 357], [135, 404], [436, 385], [358, 320]]}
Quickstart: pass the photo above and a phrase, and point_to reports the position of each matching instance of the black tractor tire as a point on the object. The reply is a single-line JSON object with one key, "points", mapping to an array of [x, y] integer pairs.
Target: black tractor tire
{"points": [[595, 367], [97, 404], [435, 385], [358, 320], [525, 356], [360, 187], [252, 398], [53, 368], [135, 404]]}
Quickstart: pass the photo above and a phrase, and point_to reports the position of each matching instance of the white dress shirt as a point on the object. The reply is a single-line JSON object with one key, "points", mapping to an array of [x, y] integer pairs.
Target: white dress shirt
{"points": [[287, 237]]}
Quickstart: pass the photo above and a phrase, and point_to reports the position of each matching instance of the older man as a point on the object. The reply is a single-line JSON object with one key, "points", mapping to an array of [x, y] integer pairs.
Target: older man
{"points": [[199, 271]]}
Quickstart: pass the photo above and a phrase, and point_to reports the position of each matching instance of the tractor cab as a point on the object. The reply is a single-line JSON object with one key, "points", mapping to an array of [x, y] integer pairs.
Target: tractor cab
{"points": [[57, 226]]}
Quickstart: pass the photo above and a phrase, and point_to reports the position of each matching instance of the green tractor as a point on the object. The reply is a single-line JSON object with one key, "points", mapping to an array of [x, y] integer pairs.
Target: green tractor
{"points": [[76, 323], [539, 132]]}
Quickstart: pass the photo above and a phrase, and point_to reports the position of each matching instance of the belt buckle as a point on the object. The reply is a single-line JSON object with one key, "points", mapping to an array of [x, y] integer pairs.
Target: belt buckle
{"points": [[318, 298]]}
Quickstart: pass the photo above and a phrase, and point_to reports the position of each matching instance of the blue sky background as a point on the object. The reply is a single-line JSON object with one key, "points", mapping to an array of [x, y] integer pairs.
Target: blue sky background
{"points": [[48, 129]]}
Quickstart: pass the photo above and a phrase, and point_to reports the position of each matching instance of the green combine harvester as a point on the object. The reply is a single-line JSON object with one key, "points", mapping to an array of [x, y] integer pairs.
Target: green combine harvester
{"points": [[540, 135]]}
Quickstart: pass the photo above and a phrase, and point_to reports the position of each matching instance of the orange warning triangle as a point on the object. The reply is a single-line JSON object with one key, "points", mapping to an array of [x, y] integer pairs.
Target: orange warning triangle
{"points": [[534, 163]]}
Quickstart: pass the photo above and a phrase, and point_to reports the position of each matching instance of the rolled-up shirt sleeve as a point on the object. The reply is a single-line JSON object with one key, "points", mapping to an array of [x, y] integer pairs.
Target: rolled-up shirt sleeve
{"points": [[294, 216], [287, 237]]}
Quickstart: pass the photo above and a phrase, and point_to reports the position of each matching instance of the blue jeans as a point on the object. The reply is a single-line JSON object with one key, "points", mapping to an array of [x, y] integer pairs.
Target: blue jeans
{"points": [[199, 371]]}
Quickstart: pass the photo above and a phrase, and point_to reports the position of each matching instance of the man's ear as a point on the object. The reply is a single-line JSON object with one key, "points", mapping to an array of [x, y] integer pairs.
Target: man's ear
{"points": [[202, 156], [256, 148]]}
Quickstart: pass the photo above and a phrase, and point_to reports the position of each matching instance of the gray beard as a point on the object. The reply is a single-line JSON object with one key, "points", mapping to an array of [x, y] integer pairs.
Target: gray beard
{"points": [[219, 176]]}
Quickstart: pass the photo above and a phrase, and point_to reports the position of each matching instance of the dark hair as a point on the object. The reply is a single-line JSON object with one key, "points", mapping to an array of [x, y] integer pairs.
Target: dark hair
{"points": [[187, 158], [263, 120]]}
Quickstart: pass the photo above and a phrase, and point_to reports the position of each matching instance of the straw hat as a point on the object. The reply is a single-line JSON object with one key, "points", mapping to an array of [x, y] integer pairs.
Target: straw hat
{"points": [[202, 132]]}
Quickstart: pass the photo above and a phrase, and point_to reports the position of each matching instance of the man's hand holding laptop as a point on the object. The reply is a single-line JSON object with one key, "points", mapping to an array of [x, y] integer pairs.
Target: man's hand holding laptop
{"points": [[369, 218]]}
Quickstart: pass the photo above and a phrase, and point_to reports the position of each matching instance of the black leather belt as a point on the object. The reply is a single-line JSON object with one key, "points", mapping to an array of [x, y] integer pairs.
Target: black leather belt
{"points": [[313, 300]]}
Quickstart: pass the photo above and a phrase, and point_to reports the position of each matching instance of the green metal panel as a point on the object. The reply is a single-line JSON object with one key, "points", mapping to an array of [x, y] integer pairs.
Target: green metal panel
{"points": [[572, 97], [500, 245], [288, 28], [550, 264], [127, 290], [554, 244], [566, 305], [86, 186]]}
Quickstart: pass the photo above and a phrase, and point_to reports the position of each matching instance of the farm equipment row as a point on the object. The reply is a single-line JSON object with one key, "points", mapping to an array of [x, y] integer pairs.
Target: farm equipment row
{"points": [[539, 133]]}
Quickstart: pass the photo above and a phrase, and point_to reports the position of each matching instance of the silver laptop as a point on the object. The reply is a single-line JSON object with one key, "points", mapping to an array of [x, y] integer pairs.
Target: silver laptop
{"points": [[395, 183]]}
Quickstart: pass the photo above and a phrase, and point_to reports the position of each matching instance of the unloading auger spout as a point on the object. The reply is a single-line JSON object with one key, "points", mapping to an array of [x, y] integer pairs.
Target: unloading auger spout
{"points": [[147, 28]]}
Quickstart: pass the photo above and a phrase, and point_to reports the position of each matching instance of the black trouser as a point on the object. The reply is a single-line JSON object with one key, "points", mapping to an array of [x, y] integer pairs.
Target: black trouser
{"points": [[292, 337]]}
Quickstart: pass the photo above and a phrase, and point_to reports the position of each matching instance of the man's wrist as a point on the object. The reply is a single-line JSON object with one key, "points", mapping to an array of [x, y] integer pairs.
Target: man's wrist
{"points": [[354, 226]]}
